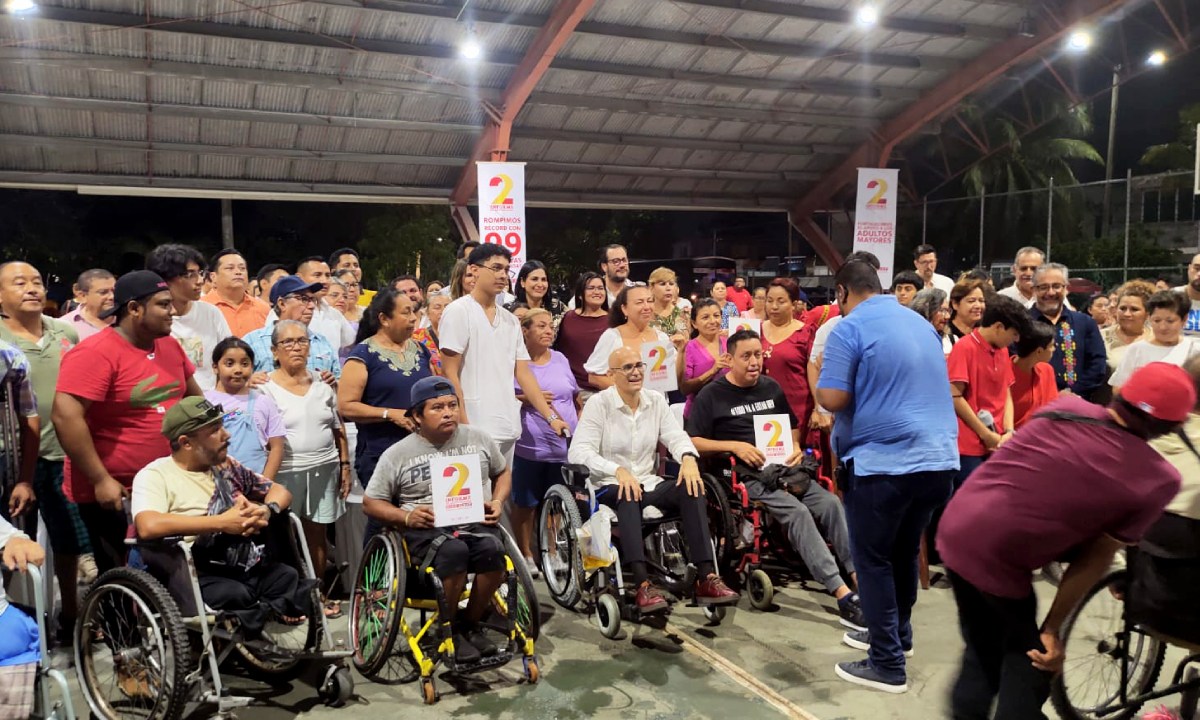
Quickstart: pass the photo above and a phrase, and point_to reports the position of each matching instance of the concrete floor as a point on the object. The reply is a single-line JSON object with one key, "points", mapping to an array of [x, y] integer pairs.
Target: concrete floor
{"points": [[685, 668]]}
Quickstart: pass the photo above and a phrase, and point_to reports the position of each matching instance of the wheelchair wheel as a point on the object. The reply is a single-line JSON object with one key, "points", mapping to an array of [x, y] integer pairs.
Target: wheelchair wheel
{"points": [[131, 648], [762, 590], [526, 611], [558, 540], [608, 616], [720, 521], [1096, 642], [376, 603], [277, 667]]}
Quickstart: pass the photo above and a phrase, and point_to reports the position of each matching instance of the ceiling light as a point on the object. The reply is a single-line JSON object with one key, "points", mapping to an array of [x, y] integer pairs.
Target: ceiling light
{"points": [[867, 15], [1079, 41], [471, 48], [1157, 58], [20, 7]]}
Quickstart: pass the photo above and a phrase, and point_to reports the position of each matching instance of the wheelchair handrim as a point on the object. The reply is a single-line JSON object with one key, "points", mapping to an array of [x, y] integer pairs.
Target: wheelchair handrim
{"points": [[558, 552], [374, 603]]}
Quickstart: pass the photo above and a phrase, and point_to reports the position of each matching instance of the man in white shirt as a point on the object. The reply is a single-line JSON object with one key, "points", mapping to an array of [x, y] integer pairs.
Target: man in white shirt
{"points": [[326, 320], [617, 439], [198, 326], [1025, 264], [1192, 290], [483, 349], [614, 265], [925, 260]]}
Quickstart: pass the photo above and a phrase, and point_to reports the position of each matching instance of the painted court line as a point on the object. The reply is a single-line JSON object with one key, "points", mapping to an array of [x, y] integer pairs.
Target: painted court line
{"points": [[741, 677]]}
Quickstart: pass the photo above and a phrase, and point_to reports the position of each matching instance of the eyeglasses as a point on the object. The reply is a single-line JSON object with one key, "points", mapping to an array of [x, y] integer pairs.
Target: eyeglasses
{"points": [[943, 311], [618, 261], [193, 274], [629, 368], [306, 299], [1055, 287], [496, 268], [288, 343]]}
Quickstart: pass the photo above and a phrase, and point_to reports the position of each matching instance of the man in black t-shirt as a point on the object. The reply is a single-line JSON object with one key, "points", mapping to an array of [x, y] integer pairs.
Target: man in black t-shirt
{"points": [[722, 420]]}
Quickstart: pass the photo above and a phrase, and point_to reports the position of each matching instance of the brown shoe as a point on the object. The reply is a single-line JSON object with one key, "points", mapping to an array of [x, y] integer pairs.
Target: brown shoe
{"points": [[712, 590], [650, 599]]}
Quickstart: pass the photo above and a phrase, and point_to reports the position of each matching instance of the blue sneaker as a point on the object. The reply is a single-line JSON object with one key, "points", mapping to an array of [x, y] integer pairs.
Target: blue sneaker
{"points": [[851, 614], [860, 672], [860, 640]]}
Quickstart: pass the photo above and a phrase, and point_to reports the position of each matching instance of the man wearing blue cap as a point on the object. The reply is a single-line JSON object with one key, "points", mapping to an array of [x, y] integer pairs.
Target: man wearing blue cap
{"points": [[400, 496], [294, 299]]}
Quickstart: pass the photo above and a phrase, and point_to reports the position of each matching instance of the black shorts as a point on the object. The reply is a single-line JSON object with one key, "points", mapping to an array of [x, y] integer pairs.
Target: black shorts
{"points": [[469, 548]]}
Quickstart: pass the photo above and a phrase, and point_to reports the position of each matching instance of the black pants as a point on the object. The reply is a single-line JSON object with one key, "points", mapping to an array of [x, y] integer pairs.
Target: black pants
{"points": [[672, 500], [106, 531], [998, 632]]}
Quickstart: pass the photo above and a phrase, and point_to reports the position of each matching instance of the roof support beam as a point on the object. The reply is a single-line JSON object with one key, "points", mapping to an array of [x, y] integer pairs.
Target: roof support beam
{"points": [[447, 52], [496, 138], [976, 74]]}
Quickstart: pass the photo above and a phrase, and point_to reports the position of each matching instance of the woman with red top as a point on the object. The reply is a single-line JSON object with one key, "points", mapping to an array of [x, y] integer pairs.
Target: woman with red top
{"points": [[582, 327], [786, 344], [1033, 376]]}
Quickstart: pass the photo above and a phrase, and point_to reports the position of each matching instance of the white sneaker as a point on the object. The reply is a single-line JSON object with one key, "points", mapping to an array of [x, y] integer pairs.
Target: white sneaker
{"points": [[86, 570]]}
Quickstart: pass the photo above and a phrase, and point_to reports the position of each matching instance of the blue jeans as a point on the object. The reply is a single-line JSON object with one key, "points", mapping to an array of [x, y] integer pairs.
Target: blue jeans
{"points": [[887, 514]]}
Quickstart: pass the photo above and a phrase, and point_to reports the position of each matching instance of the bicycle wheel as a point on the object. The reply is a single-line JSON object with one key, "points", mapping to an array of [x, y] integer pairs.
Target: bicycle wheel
{"points": [[558, 539], [1104, 653], [376, 603]]}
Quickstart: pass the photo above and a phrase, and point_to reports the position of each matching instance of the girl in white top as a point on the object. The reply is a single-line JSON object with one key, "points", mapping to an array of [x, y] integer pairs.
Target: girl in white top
{"points": [[1168, 313], [316, 460], [629, 326]]}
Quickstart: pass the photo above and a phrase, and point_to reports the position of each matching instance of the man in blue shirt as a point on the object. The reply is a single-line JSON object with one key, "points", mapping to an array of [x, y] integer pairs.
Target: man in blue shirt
{"points": [[884, 377], [295, 299], [1080, 359]]}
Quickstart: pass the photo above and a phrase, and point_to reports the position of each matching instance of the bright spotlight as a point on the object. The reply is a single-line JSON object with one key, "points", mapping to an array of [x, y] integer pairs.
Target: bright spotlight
{"points": [[20, 7], [867, 15], [1157, 58], [471, 48], [1079, 41]]}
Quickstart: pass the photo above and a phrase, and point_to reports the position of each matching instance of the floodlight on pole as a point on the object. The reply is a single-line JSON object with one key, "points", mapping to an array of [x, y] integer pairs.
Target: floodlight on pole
{"points": [[1158, 58], [1080, 41], [20, 7], [867, 15]]}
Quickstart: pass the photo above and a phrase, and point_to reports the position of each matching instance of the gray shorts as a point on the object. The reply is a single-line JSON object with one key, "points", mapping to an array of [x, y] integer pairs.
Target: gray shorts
{"points": [[315, 495]]}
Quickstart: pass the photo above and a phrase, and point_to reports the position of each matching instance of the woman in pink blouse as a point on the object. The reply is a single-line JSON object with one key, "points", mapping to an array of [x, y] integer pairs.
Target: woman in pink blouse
{"points": [[703, 358]]}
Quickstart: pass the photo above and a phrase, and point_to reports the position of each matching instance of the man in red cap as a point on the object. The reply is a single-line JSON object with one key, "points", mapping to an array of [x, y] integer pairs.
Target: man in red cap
{"points": [[1078, 482]]}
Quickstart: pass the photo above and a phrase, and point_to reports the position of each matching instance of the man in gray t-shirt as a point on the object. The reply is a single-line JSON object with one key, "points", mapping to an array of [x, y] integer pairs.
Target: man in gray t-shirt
{"points": [[399, 496]]}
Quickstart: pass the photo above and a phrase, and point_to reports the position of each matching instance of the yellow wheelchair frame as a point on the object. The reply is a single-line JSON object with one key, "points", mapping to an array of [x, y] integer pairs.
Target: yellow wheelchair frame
{"points": [[381, 595]]}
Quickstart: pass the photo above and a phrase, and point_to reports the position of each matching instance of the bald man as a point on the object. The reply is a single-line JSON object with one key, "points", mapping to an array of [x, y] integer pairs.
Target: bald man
{"points": [[617, 438]]}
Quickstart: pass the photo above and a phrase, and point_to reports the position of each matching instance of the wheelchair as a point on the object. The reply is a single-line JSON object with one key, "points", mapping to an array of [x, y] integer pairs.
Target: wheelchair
{"points": [[44, 706], [394, 600], [1111, 663], [137, 655], [603, 590]]}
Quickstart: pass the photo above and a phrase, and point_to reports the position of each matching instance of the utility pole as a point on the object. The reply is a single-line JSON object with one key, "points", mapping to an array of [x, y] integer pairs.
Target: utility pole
{"points": [[1105, 220], [226, 223]]}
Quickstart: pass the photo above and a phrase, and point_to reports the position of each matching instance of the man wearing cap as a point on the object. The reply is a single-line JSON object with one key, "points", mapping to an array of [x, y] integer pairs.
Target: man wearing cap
{"points": [[112, 392], [1109, 486], [202, 494], [400, 495], [294, 299]]}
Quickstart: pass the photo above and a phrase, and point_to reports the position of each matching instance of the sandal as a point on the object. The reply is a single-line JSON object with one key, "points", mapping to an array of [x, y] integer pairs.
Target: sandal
{"points": [[333, 609], [291, 620]]}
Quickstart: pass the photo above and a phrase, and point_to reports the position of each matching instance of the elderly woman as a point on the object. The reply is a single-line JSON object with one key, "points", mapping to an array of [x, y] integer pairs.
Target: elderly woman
{"points": [[967, 301], [316, 460], [787, 343], [582, 327], [427, 335], [720, 292], [1168, 314], [758, 305], [540, 452], [670, 315], [533, 291], [933, 305], [354, 310], [703, 358], [1132, 320], [629, 325]]}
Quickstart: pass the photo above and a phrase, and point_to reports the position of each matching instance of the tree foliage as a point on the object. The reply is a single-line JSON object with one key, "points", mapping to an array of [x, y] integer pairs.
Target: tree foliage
{"points": [[407, 239], [1179, 154]]}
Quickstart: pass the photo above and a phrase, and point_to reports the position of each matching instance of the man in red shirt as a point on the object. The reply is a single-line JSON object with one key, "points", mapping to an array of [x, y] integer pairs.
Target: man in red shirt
{"points": [[1077, 483], [739, 295], [112, 392]]}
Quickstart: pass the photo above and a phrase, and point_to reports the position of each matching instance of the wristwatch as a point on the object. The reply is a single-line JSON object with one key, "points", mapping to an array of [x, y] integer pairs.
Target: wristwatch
{"points": [[692, 455], [385, 413], [553, 417], [274, 508]]}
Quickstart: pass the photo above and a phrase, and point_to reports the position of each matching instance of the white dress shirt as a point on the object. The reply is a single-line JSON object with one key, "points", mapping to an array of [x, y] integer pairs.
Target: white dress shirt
{"points": [[943, 283], [611, 436]]}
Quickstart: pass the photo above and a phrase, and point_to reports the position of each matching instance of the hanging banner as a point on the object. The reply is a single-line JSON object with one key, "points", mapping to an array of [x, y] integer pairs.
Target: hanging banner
{"points": [[875, 218], [502, 208]]}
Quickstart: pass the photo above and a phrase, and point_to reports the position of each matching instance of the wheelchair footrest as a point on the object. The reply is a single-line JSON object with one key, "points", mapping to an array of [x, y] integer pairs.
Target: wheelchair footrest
{"points": [[487, 663]]}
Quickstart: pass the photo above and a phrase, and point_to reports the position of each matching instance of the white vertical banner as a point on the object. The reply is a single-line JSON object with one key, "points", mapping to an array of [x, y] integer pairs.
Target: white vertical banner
{"points": [[502, 208], [875, 218]]}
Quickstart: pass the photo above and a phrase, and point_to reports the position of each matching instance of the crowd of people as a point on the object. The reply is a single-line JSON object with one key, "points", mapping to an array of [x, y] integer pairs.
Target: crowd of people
{"points": [[333, 399]]}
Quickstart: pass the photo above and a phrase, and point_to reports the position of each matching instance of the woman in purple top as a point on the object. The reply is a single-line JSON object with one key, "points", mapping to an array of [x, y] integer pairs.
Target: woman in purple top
{"points": [[703, 358], [540, 453]]}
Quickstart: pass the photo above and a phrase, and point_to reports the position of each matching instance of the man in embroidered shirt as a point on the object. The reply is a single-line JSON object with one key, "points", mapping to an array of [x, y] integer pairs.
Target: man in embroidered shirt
{"points": [[1080, 360]]}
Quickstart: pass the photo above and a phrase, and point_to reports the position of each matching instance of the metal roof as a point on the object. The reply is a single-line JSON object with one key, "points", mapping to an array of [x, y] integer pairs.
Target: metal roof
{"points": [[650, 103]]}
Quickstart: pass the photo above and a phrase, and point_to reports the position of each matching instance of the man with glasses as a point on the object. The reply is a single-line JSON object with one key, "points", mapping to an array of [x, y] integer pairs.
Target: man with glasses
{"points": [[231, 293], [614, 265], [197, 326], [93, 295], [1025, 265], [1080, 359], [483, 349], [617, 439], [1192, 290], [925, 260], [294, 299], [326, 320]]}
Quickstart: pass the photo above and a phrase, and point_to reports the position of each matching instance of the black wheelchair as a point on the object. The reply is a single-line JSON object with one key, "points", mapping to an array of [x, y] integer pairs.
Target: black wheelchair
{"points": [[396, 611], [1112, 663], [137, 655], [601, 588]]}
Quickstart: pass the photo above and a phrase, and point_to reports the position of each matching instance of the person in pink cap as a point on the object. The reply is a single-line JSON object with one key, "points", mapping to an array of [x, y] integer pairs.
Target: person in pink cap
{"points": [[1076, 484]]}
